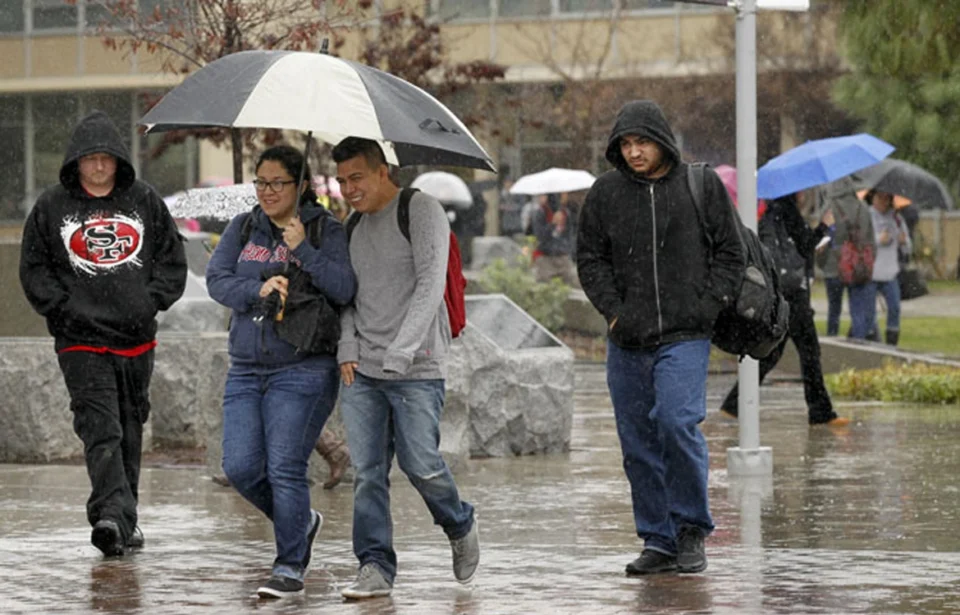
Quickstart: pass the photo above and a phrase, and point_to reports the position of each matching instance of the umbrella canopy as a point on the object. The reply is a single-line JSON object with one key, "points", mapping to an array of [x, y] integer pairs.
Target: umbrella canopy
{"points": [[331, 97], [553, 181], [446, 188], [219, 202], [728, 175], [819, 162], [909, 181]]}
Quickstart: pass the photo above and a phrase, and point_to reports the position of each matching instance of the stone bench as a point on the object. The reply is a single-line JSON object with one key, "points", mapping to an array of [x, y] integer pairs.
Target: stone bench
{"points": [[499, 402]]}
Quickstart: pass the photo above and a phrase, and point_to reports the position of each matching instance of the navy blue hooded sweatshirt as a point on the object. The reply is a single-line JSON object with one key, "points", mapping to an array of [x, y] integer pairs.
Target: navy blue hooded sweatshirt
{"points": [[99, 268], [234, 278]]}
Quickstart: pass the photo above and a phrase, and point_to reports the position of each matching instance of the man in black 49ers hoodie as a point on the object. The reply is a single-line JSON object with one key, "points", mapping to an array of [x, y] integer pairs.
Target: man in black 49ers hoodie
{"points": [[100, 256], [644, 262]]}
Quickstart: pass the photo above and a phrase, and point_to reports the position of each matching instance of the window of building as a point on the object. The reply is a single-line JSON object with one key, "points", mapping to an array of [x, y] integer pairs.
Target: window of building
{"points": [[54, 15], [636, 5], [11, 16], [148, 7], [168, 167], [464, 9], [54, 116], [524, 8], [97, 15], [586, 6], [12, 158]]}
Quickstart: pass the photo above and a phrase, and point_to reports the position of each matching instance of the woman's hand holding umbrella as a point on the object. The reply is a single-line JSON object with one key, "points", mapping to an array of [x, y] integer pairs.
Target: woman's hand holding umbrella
{"points": [[294, 234]]}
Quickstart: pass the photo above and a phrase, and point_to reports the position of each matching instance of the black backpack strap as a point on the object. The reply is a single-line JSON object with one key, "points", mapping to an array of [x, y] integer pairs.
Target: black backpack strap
{"points": [[315, 230], [403, 211], [246, 228], [352, 221], [695, 175]]}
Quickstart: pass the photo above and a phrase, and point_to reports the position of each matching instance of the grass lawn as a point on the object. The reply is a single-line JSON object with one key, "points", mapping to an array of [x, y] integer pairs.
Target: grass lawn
{"points": [[934, 335], [936, 287]]}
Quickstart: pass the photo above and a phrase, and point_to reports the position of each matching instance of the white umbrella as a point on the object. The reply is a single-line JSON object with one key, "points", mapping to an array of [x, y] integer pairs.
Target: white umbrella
{"points": [[446, 188], [219, 202], [553, 181]]}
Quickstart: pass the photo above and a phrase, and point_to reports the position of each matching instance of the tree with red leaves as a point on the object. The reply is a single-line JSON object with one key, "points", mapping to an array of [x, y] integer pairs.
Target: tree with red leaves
{"points": [[190, 34], [193, 33]]}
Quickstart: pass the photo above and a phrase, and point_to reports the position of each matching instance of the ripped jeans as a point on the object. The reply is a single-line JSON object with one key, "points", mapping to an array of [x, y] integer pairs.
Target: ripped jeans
{"points": [[384, 417]]}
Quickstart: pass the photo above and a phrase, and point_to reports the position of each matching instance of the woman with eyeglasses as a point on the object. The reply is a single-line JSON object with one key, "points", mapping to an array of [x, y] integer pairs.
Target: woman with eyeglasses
{"points": [[277, 398]]}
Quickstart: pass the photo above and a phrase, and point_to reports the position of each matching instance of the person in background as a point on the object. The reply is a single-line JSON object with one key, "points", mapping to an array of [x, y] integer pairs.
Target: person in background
{"points": [[100, 257], [554, 228], [277, 398], [852, 216], [792, 242], [893, 241]]}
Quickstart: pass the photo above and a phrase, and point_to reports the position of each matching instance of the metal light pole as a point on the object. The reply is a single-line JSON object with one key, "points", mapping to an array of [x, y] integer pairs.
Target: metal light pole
{"points": [[748, 459]]}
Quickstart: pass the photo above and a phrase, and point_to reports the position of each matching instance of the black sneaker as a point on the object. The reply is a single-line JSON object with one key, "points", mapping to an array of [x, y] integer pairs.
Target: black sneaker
{"points": [[106, 537], [652, 562], [691, 556], [316, 522], [279, 587], [136, 539]]}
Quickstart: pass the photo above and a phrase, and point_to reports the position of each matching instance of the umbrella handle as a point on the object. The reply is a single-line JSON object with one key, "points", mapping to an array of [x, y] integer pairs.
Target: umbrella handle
{"points": [[429, 122], [283, 303]]}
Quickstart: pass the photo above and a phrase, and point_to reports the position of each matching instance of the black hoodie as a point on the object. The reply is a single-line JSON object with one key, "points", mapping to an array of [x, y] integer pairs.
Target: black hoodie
{"points": [[642, 253], [99, 268]]}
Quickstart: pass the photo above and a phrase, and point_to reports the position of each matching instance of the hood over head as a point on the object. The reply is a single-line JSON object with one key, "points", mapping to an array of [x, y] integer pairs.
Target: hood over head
{"points": [[96, 133], [643, 118]]}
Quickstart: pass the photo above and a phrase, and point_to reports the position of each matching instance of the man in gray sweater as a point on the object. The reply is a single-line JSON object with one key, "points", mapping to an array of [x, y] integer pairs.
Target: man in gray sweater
{"points": [[392, 354]]}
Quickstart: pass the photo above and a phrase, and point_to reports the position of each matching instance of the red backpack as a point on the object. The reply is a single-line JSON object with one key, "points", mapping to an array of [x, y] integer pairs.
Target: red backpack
{"points": [[857, 255], [456, 285]]}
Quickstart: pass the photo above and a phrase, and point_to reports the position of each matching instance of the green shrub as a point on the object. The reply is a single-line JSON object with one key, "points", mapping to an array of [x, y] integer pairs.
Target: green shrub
{"points": [[916, 383], [543, 301]]}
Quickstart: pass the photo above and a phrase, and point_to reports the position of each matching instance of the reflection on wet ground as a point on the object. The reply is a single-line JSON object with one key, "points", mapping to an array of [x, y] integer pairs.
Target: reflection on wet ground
{"points": [[859, 521]]}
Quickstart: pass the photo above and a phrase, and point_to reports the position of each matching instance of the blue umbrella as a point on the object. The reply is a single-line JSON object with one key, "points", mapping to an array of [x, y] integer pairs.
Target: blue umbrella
{"points": [[819, 162]]}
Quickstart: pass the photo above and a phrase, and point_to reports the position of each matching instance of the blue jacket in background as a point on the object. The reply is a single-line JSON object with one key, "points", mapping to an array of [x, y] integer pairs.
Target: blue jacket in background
{"points": [[234, 278]]}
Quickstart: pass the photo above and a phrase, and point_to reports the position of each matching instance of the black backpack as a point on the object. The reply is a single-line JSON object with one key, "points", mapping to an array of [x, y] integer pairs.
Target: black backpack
{"points": [[791, 265], [757, 321], [308, 321]]}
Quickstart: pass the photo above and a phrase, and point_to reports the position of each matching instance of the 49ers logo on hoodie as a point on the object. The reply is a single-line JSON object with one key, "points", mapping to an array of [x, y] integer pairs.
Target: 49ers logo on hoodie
{"points": [[101, 243]]}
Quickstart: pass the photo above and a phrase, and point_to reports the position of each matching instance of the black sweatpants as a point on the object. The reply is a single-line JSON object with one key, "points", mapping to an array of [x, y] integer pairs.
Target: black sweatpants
{"points": [[110, 403], [803, 331]]}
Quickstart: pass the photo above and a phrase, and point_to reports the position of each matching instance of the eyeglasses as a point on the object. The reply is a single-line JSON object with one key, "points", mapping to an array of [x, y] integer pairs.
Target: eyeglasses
{"points": [[275, 185]]}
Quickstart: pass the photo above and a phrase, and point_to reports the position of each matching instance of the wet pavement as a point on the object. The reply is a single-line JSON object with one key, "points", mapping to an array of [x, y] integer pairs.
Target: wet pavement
{"points": [[863, 520]]}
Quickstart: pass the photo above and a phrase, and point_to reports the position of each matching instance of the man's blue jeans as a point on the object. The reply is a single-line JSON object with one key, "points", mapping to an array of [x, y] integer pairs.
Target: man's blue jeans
{"points": [[271, 423], [402, 416], [659, 398]]}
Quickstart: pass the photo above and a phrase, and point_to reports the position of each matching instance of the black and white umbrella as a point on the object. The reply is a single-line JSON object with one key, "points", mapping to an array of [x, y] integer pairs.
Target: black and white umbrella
{"points": [[331, 97]]}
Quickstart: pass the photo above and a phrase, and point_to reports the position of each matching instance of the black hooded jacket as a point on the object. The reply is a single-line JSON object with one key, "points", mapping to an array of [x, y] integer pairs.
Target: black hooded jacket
{"points": [[99, 268], [642, 252]]}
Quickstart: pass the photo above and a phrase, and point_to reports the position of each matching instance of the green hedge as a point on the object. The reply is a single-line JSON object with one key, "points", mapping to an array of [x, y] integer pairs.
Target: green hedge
{"points": [[916, 383], [543, 301]]}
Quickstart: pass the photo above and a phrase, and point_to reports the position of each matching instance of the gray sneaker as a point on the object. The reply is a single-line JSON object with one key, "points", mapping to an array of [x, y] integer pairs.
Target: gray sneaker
{"points": [[370, 583], [466, 554]]}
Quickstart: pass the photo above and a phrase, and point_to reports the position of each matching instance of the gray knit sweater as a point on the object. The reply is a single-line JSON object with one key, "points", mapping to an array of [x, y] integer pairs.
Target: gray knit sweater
{"points": [[397, 327]]}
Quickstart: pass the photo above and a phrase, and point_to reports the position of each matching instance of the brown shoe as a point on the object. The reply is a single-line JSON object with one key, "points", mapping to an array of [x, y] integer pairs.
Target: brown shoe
{"points": [[220, 480], [335, 452], [840, 421]]}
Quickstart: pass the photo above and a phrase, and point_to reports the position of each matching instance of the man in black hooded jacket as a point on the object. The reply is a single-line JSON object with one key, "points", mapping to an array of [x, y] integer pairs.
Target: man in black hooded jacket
{"points": [[644, 262], [100, 256]]}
